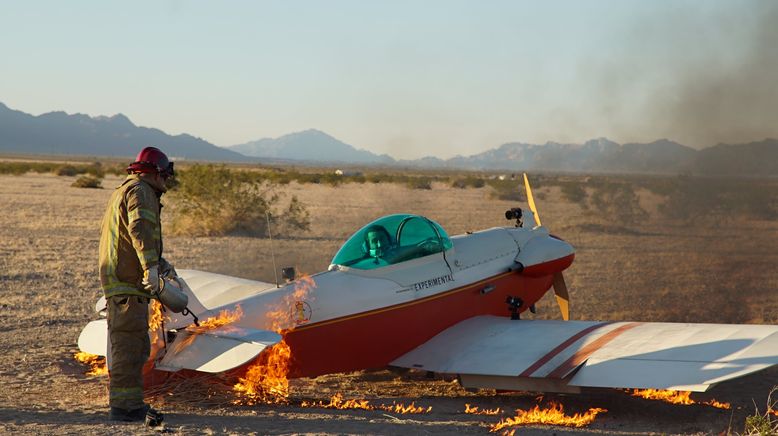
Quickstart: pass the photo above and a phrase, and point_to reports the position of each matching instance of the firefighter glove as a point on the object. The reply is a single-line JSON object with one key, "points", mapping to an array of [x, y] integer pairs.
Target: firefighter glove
{"points": [[151, 281], [166, 270]]}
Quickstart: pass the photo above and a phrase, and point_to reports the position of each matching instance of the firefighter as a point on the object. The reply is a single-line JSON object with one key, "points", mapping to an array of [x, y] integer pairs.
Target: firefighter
{"points": [[131, 264]]}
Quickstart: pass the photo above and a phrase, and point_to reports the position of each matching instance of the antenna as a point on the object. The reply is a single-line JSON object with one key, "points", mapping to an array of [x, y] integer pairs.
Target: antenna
{"points": [[272, 254]]}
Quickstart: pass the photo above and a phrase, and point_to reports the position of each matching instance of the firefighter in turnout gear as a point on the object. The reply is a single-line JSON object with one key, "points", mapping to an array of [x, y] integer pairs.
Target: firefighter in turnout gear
{"points": [[131, 264]]}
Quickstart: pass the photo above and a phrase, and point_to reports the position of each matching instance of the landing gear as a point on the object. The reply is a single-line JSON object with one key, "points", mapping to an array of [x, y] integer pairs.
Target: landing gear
{"points": [[514, 303]]}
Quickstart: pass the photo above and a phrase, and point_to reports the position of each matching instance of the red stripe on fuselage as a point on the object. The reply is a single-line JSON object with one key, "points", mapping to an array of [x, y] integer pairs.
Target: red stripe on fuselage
{"points": [[373, 339]]}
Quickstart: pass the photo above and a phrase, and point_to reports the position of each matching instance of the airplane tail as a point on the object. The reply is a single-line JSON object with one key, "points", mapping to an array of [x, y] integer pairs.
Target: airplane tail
{"points": [[213, 350]]}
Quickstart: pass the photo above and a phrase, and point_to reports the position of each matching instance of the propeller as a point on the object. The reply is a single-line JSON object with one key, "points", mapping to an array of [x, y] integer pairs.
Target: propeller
{"points": [[560, 288], [562, 297], [531, 200]]}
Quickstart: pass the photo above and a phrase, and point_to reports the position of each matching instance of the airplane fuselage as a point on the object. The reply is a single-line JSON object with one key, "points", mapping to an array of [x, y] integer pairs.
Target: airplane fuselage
{"points": [[356, 319]]}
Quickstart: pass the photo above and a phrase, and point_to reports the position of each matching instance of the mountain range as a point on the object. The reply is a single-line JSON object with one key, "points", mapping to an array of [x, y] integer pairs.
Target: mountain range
{"points": [[59, 133], [310, 145], [596, 156]]}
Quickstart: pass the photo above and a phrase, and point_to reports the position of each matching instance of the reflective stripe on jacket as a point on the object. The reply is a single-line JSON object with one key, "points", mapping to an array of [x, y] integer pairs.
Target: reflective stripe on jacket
{"points": [[131, 237]]}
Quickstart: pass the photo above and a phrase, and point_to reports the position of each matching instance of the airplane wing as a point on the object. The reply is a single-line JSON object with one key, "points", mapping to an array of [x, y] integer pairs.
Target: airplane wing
{"points": [[562, 356]]}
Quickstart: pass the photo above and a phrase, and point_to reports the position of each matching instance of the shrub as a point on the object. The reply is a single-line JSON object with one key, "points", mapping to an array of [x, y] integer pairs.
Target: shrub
{"points": [[699, 200], [67, 170], [87, 182], [214, 200], [763, 423], [420, 183], [470, 181], [619, 202], [573, 192], [510, 190], [295, 217], [380, 178], [332, 179], [15, 168], [95, 169]]}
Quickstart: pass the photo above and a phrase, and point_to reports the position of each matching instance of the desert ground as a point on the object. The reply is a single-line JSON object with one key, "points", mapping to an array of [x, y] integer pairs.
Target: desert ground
{"points": [[655, 270]]}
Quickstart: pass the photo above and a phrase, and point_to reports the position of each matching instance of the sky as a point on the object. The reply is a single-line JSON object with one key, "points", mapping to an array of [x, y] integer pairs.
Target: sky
{"points": [[406, 78]]}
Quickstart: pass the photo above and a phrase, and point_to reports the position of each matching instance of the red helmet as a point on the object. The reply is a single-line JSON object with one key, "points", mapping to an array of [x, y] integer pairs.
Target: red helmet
{"points": [[152, 160]]}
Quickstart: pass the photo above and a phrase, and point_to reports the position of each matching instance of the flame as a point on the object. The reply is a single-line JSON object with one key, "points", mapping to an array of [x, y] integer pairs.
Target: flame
{"points": [[156, 331], [96, 362], [773, 412], [675, 397], [552, 415], [337, 402], [290, 311], [224, 317], [155, 315], [266, 379], [475, 411], [403, 409], [718, 404]]}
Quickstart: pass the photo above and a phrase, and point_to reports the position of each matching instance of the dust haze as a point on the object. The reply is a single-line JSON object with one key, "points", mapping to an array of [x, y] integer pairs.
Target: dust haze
{"points": [[715, 82]]}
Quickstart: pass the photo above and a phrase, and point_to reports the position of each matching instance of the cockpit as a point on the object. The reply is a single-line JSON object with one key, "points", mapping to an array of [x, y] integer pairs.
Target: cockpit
{"points": [[391, 240]]}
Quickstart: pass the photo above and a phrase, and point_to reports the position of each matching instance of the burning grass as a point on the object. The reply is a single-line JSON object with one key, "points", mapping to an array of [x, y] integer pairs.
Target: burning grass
{"points": [[763, 423], [554, 414], [96, 363], [403, 409], [337, 402], [474, 410], [266, 380], [675, 397]]}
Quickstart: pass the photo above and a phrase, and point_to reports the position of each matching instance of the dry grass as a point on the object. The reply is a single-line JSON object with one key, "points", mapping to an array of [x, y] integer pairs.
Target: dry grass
{"points": [[656, 270]]}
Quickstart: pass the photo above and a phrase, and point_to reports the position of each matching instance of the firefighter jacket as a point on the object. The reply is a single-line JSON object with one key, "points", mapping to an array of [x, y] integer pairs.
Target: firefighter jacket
{"points": [[131, 237]]}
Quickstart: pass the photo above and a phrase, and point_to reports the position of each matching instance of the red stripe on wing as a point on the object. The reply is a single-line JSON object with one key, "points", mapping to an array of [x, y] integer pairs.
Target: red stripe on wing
{"points": [[581, 355], [559, 348]]}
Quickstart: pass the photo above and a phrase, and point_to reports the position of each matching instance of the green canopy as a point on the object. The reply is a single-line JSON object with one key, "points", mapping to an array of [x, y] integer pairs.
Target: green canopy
{"points": [[402, 237]]}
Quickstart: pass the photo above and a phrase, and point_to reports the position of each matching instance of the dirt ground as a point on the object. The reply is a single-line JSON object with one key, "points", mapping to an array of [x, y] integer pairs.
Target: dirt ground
{"points": [[659, 271]]}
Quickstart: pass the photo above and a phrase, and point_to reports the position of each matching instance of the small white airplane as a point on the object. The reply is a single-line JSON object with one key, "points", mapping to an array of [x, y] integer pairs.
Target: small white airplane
{"points": [[401, 292]]}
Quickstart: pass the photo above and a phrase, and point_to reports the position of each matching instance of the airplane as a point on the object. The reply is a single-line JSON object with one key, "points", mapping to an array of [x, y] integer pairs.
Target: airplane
{"points": [[401, 293]]}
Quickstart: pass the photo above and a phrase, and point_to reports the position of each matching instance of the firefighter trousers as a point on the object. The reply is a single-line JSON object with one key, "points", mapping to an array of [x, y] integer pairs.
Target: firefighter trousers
{"points": [[128, 332]]}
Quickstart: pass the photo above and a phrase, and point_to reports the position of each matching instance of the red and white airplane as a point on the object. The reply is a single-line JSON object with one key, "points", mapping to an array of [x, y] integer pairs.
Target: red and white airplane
{"points": [[401, 292]]}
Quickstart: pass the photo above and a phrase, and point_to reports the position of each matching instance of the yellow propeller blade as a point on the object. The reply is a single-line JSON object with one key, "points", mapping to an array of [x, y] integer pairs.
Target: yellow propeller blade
{"points": [[531, 200], [562, 298]]}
